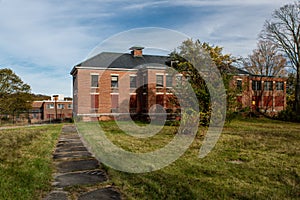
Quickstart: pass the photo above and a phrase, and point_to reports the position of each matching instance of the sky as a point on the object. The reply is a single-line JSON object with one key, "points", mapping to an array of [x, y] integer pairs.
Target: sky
{"points": [[41, 40]]}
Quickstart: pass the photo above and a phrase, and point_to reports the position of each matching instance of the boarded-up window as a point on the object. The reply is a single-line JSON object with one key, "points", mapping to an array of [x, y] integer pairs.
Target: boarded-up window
{"points": [[94, 102], [133, 103], [114, 101], [160, 100], [268, 101], [279, 101]]}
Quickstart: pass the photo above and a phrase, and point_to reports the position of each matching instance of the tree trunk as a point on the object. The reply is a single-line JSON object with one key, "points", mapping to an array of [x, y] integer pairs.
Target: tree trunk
{"points": [[297, 91]]}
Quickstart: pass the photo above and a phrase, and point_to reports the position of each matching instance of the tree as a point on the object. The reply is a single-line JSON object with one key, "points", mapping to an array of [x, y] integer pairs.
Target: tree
{"points": [[266, 60], [203, 55], [284, 30], [15, 95]]}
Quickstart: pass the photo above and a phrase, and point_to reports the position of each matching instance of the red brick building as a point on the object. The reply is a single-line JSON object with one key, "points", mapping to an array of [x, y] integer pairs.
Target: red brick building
{"points": [[261, 93], [45, 110], [111, 83]]}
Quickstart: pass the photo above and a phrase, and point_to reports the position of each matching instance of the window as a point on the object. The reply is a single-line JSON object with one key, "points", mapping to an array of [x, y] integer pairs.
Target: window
{"points": [[256, 85], [94, 102], [145, 81], [60, 106], [114, 81], [159, 81], [239, 84], [279, 101], [268, 85], [178, 81], [132, 81], [169, 81], [280, 86], [188, 78], [50, 106], [94, 81], [70, 106], [114, 103], [50, 116]]}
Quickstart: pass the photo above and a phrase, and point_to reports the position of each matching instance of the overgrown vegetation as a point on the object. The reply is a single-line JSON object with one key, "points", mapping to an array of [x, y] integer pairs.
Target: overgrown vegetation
{"points": [[26, 161], [253, 159]]}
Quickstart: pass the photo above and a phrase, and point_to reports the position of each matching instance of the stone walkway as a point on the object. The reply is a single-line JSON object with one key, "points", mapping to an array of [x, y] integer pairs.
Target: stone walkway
{"points": [[78, 174]]}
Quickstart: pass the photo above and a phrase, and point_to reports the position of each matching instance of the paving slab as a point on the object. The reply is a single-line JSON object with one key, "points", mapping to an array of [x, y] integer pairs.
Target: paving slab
{"points": [[80, 178], [70, 136], [68, 129], [77, 154], [70, 149], [77, 165], [57, 195], [103, 194], [70, 144]]}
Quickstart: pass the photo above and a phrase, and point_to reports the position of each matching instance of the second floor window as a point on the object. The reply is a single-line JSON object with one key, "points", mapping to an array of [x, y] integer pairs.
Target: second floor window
{"points": [[178, 81], [132, 81], [94, 81], [280, 86], [60, 106], [114, 81], [50, 106], [256, 85], [268, 86], [159, 81], [169, 81], [239, 85]]}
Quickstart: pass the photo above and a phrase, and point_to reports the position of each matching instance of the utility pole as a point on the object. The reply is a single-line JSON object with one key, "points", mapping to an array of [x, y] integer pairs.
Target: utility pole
{"points": [[55, 105]]}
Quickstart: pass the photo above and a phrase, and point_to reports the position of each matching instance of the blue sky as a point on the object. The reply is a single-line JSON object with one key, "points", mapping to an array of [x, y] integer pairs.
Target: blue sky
{"points": [[41, 40]]}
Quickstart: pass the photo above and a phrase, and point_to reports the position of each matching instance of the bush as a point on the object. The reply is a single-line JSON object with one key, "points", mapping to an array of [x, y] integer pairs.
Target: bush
{"points": [[288, 115]]}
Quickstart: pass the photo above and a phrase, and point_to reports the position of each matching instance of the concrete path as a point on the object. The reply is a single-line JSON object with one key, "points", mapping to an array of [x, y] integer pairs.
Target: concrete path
{"points": [[78, 174]]}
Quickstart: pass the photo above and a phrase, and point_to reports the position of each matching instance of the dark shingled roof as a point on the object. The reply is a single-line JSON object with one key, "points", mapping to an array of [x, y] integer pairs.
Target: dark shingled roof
{"points": [[119, 60], [238, 71], [128, 61]]}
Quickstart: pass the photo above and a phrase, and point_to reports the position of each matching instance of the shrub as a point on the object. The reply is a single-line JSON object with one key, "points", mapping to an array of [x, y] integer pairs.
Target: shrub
{"points": [[288, 115]]}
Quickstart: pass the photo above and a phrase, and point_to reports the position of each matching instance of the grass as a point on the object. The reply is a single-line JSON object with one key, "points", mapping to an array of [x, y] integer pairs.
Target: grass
{"points": [[253, 159], [26, 161]]}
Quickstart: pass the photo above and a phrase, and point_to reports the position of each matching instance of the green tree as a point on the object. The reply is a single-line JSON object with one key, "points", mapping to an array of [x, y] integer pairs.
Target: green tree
{"points": [[15, 97], [283, 29], [201, 54]]}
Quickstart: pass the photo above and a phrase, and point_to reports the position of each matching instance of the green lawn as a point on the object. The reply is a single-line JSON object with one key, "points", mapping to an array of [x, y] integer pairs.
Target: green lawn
{"points": [[253, 159], [26, 161]]}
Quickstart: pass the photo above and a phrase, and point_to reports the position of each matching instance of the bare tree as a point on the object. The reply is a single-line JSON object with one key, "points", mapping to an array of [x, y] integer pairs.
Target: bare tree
{"points": [[266, 60], [284, 30]]}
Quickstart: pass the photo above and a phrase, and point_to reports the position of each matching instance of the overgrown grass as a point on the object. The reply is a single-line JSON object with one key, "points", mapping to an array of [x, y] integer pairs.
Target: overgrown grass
{"points": [[26, 161], [253, 159]]}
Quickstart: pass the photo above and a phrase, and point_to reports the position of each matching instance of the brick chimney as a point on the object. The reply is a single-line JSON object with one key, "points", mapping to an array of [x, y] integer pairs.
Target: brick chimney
{"points": [[137, 51]]}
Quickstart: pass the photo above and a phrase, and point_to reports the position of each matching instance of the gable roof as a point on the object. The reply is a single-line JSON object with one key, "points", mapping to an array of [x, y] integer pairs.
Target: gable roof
{"points": [[120, 60]]}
